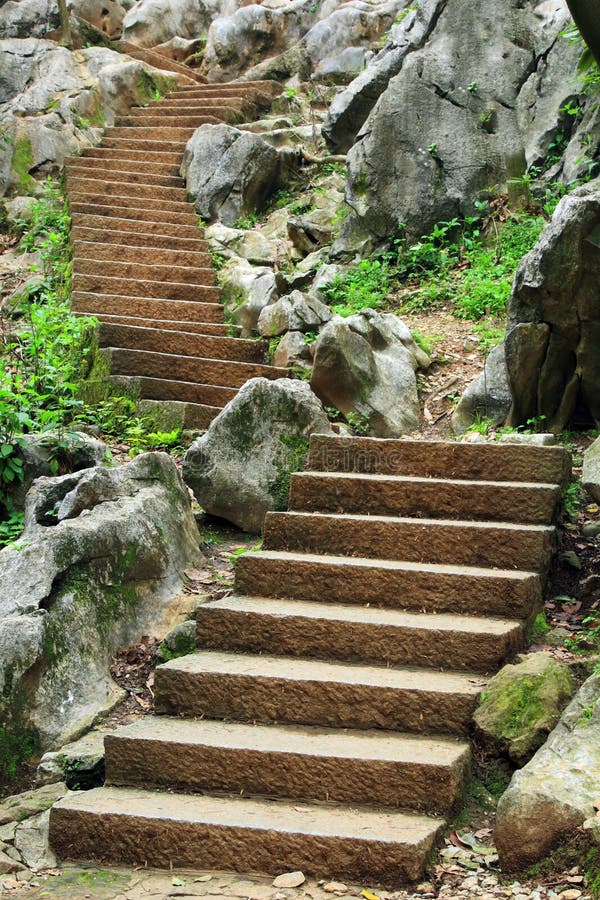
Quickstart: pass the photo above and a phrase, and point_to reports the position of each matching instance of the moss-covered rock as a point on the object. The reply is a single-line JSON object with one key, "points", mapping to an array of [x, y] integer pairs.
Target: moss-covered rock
{"points": [[522, 704]]}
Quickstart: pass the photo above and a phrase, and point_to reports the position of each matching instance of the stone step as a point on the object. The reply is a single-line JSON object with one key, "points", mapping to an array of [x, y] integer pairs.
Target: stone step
{"points": [[93, 303], [145, 144], [270, 89], [153, 158], [196, 277], [156, 255], [175, 106], [401, 495], [129, 197], [160, 61], [206, 328], [84, 184], [181, 116], [210, 395], [110, 236], [440, 459], [219, 372], [184, 343], [115, 221], [107, 163], [248, 688], [356, 633], [173, 210], [111, 172], [145, 290], [357, 767], [416, 540], [169, 134], [125, 825], [397, 584]]}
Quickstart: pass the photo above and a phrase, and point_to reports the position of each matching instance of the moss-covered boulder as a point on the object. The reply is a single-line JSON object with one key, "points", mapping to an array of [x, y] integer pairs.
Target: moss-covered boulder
{"points": [[241, 468], [521, 706]]}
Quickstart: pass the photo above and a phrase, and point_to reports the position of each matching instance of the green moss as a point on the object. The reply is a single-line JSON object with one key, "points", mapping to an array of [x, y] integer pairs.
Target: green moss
{"points": [[538, 628], [360, 184], [154, 86], [291, 459], [22, 163], [16, 746], [523, 707]]}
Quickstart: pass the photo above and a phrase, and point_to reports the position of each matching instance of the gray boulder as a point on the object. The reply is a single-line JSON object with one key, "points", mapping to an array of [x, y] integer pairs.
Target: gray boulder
{"points": [[553, 328], [293, 350], [246, 291], [296, 312], [229, 173], [29, 18], [152, 22], [591, 470], [365, 365], [446, 126], [241, 468], [101, 557], [488, 396], [521, 705], [557, 791]]}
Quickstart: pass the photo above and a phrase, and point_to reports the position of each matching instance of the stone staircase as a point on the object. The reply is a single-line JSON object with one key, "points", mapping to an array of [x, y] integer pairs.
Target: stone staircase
{"points": [[323, 724], [140, 262]]}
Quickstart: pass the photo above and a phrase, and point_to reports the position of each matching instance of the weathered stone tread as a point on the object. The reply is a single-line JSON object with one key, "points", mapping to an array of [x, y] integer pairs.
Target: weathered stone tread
{"points": [[123, 824]]}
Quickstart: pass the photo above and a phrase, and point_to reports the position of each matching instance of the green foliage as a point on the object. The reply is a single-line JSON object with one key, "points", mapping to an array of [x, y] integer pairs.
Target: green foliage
{"points": [[481, 425], [366, 286], [589, 638], [359, 423], [573, 498], [539, 628], [14, 748]]}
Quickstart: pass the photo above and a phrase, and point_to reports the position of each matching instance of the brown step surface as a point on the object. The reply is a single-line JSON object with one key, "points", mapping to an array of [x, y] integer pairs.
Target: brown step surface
{"points": [[145, 144], [147, 240], [161, 829], [154, 134], [138, 207], [114, 162], [159, 290], [137, 195], [358, 633], [188, 368], [181, 117], [417, 540], [440, 459], [394, 583], [384, 768], [201, 276], [219, 329], [116, 305], [161, 61], [98, 175], [156, 255], [111, 222], [156, 157], [221, 685], [211, 395], [181, 342], [401, 495], [174, 106]]}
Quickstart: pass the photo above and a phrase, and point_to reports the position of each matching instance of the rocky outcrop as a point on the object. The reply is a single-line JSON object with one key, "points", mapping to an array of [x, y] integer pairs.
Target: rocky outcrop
{"points": [[487, 397], [102, 553], [296, 312], [54, 103], [365, 366], [522, 704], [240, 469], [152, 22], [447, 126], [557, 791], [553, 326], [229, 172], [246, 291]]}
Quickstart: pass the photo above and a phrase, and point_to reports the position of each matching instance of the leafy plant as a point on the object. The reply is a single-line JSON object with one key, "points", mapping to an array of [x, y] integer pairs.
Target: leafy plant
{"points": [[359, 423]]}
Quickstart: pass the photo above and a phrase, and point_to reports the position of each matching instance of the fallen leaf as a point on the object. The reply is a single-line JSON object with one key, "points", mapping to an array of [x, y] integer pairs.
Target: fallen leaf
{"points": [[177, 882], [368, 895]]}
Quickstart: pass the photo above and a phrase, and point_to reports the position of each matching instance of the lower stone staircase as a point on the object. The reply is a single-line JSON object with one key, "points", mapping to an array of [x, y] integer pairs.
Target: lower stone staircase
{"points": [[323, 724], [141, 263]]}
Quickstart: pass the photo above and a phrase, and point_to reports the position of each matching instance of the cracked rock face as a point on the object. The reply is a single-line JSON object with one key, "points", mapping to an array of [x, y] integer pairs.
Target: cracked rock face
{"points": [[553, 326], [446, 126], [102, 553]]}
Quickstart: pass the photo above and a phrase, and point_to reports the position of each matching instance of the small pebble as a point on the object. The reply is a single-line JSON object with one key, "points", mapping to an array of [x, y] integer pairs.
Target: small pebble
{"points": [[335, 887], [289, 880]]}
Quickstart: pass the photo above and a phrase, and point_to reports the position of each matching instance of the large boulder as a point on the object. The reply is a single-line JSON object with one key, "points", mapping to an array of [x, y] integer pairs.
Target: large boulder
{"points": [[296, 312], [365, 366], [229, 173], [557, 791], [55, 102], [246, 291], [553, 329], [487, 397], [446, 126], [241, 468], [521, 705], [591, 469], [101, 556], [152, 22]]}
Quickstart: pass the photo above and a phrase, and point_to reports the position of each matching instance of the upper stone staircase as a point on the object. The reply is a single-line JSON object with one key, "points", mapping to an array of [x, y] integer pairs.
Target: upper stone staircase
{"points": [[141, 263], [323, 724]]}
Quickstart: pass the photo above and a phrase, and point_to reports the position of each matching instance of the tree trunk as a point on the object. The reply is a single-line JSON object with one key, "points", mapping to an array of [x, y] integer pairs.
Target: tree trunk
{"points": [[586, 14], [66, 38]]}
